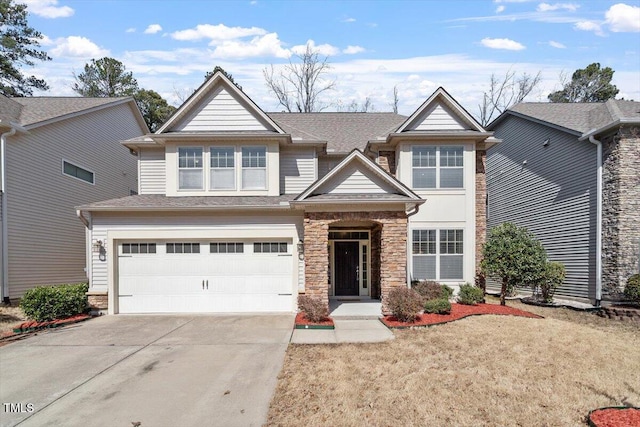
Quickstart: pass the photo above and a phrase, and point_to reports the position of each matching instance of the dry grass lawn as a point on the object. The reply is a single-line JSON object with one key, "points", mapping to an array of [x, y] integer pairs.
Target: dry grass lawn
{"points": [[483, 370], [10, 316]]}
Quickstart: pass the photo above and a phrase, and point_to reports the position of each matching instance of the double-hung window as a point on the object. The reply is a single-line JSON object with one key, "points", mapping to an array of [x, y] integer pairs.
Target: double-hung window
{"points": [[254, 168], [438, 254], [438, 167], [190, 169], [223, 170]]}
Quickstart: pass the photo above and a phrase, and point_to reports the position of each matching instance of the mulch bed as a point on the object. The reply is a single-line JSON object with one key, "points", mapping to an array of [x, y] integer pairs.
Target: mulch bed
{"points": [[35, 326], [303, 323], [458, 311], [617, 416]]}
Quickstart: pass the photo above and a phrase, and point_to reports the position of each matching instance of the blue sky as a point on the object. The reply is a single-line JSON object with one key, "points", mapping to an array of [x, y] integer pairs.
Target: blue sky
{"points": [[372, 45]]}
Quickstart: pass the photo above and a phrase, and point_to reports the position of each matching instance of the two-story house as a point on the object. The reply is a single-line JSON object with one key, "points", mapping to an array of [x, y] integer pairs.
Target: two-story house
{"points": [[241, 210]]}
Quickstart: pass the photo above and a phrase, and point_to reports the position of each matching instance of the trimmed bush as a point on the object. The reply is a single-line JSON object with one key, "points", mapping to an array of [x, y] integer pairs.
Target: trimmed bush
{"points": [[314, 309], [438, 306], [553, 277], [54, 302], [405, 304], [632, 288], [470, 295], [430, 290]]}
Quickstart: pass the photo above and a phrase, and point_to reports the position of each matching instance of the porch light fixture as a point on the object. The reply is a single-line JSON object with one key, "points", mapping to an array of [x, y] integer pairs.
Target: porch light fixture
{"points": [[301, 249], [98, 247]]}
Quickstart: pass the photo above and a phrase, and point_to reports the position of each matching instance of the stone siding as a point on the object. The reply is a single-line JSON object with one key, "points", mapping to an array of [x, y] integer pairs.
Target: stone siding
{"points": [[387, 161], [481, 204], [392, 265], [98, 301], [620, 210]]}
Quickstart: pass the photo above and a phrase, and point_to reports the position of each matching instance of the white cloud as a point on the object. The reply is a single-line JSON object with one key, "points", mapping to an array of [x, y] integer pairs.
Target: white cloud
{"points": [[45, 41], [47, 8], [323, 49], [589, 26], [507, 44], [500, 8], [546, 7], [268, 45], [153, 28], [77, 47], [352, 50], [217, 33], [623, 18], [130, 30], [349, 20], [557, 45]]}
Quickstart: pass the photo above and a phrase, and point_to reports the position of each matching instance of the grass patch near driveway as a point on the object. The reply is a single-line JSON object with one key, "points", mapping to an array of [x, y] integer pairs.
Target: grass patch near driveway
{"points": [[482, 370], [10, 316]]}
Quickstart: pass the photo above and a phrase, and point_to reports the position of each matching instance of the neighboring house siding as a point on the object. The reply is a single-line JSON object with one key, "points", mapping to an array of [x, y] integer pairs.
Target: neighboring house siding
{"points": [[47, 242], [152, 171], [553, 195], [221, 112], [298, 169]]}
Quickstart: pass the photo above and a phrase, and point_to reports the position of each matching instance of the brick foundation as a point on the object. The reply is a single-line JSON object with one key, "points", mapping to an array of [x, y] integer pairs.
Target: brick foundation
{"points": [[98, 301]]}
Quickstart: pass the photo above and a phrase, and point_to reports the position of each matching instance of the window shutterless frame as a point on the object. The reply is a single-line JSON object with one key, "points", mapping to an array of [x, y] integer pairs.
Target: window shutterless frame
{"points": [[254, 167], [190, 168], [437, 167], [78, 172], [222, 168]]}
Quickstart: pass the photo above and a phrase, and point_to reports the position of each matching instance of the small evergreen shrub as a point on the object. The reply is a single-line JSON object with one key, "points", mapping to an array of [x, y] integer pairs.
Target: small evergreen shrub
{"points": [[405, 304], [438, 306], [552, 278], [470, 295], [314, 309], [54, 302], [430, 290], [632, 288]]}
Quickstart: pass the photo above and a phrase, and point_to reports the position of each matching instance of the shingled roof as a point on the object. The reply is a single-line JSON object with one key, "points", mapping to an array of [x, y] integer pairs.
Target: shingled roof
{"points": [[341, 131]]}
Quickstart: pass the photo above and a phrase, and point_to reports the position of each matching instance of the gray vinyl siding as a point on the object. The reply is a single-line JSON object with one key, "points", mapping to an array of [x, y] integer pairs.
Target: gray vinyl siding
{"points": [[47, 241], [326, 163], [353, 179], [553, 195], [297, 169], [152, 171]]}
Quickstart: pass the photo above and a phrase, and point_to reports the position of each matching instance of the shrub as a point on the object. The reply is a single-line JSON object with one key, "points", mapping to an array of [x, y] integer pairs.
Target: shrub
{"points": [[430, 290], [54, 302], [632, 288], [470, 295], [513, 256], [438, 306], [314, 309], [552, 278], [405, 304]]}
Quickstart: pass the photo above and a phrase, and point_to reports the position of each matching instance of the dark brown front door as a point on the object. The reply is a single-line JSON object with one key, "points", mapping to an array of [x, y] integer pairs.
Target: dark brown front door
{"points": [[346, 266]]}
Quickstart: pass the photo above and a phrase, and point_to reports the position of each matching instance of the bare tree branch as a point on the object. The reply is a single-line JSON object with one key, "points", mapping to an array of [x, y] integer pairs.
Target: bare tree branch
{"points": [[396, 99], [505, 92]]}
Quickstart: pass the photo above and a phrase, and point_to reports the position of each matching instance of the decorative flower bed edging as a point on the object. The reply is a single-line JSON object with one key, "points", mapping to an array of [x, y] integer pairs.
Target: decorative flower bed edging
{"points": [[614, 416], [458, 311], [35, 326], [303, 323]]}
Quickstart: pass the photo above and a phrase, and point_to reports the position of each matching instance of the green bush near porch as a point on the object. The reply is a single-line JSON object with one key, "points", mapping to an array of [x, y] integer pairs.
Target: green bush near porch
{"points": [[54, 302]]}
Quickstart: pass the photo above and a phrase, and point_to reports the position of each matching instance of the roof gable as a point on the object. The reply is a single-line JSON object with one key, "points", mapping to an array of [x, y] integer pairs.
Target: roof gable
{"points": [[357, 174], [219, 106], [440, 112]]}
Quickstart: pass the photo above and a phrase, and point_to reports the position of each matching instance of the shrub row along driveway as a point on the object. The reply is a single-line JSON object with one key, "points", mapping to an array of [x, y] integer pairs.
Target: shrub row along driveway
{"points": [[156, 370]]}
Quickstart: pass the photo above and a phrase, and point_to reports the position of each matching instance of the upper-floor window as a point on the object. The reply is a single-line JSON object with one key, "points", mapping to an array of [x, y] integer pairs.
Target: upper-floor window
{"points": [[438, 167], [254, 168], [77, 172], [190, 170], [223, 169]]}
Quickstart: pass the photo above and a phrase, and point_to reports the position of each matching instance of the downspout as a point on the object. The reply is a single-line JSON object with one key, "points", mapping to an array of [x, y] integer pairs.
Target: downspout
{"points": [[5, 229], [415, 210], [598, 221]]}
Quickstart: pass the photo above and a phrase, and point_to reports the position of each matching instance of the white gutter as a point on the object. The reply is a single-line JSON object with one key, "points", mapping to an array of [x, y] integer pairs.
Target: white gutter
{"points": [[598, 221], [4, 285]]}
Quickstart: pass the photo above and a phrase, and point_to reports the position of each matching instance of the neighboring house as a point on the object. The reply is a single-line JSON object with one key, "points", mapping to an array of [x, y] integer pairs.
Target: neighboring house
{"points": [[545, 176], [240, 211], [58, 153]]}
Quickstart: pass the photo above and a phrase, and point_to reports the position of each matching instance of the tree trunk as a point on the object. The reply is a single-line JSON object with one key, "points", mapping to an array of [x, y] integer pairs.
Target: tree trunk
{"points": [[503, 292]]}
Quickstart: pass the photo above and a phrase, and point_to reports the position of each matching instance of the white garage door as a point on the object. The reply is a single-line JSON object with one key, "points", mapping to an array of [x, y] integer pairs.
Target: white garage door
{"points": [[205, 277]]}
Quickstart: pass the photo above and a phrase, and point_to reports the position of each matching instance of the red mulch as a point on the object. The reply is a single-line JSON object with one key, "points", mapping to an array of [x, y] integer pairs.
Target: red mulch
{"points": [[34, 326], [458, 311], [301, 319], [615, 417]]}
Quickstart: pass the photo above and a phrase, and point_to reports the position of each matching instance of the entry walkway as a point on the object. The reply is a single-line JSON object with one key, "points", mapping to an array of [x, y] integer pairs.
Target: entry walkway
{"points": [[355, 322]]}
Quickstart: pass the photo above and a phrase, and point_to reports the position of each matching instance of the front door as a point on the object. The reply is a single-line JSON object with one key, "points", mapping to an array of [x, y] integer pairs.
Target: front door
{"points": [[346, 266]]}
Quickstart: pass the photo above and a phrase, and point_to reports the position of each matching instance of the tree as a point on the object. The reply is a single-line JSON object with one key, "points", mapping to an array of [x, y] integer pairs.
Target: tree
{"points": [[222, 70], [18, 47], [299, 85], [590, 84], [354, 107], [505, 92], [154, 108], [513, 256], [106, 77], [396, 99]]}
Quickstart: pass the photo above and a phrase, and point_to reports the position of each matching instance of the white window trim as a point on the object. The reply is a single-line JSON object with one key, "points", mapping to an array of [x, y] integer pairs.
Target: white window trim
{"points": [[266, 163], [77, 166], [438, 168], [438, 254], [203, 186], [210, 168]]}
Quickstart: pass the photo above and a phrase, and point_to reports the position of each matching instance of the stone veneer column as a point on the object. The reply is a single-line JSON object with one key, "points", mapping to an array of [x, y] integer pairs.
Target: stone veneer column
{"points": [[393, 255], [481, 204], [620, 210], [316, 256], [387, 161]]}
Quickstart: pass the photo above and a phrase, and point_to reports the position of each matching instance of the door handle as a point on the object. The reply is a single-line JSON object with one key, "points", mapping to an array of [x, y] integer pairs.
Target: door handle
{"points": [[357, 274], [207, 284], [203, 285]]}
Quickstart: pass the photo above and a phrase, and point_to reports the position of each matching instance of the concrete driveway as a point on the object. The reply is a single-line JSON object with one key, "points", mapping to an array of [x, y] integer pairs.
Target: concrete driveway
{"points": [[156, 370]]}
